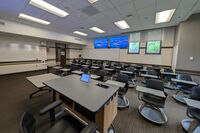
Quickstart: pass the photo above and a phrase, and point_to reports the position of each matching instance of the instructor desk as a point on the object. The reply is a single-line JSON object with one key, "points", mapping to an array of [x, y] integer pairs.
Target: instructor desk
{"points": [[98, 100]]}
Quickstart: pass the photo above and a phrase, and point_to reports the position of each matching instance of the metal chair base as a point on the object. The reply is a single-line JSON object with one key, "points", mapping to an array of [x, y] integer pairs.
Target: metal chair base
{"points": [[123, 102], [179, 98], [40, 89], [190, 126], [153, 114]]}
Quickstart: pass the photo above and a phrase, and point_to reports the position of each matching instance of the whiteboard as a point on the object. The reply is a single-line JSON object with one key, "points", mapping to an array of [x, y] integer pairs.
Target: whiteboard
{"points": [[101, 54], [21, 52]]}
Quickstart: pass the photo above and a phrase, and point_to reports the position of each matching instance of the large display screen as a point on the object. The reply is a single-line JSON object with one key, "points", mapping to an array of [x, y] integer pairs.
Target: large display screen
{"points": [[119, 42], [153, 47], [101, 43], [134, 48]]}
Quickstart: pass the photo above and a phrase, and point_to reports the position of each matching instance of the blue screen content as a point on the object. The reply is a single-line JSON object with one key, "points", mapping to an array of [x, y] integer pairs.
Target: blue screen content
{"points": [[119, 42], [85, 77], [101, 43]]}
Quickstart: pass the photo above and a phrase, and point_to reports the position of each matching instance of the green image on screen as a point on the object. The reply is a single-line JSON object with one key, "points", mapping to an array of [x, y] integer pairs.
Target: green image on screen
{"points": [[134, 47], [153, 47]]}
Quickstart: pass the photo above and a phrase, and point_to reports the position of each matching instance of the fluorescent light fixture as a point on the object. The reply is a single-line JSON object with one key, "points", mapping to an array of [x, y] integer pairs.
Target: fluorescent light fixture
{"points": [[122, 24], [80, 33], [164, 16], [96, 29], [30, 18], [92, 1], [48, 7]]}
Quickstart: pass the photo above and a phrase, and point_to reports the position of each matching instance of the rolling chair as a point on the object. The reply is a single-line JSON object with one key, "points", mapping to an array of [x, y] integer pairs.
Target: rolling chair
{"points": [[85, 69], [131, 77], [153, 107], [149, 72], [183, 89], [101, 73], [66, 124], [123, 102], [193, 125]]}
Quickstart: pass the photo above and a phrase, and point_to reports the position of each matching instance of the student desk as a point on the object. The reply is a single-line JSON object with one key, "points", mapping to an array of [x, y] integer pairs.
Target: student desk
{"points": [[98, 100], [77, 72], [116, 83], [127, 72], [38, 80], [185, 82], [147, 76], [192, 103], [95, 76], [151, 91], [169, 76]]}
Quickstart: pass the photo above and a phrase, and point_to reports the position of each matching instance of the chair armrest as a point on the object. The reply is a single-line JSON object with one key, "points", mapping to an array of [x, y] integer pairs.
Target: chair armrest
{"points": [[90, 128], [50, 107]]}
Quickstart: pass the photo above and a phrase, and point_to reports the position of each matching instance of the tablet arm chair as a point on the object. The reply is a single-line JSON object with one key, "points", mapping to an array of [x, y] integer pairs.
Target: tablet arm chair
{"points": [[123, 101], [192, 125], [101, 73], [131, 77], [85, 69], [66, 124], [153, 107], [184, 90]]}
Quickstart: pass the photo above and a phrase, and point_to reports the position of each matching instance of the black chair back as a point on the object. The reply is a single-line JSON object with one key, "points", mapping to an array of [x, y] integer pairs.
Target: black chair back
{"points": [[123, 78], [184, 77], [155, 84], [195, 94], [27, 123], [101, 73], [152, 72], [85, 69], [169, 70]]}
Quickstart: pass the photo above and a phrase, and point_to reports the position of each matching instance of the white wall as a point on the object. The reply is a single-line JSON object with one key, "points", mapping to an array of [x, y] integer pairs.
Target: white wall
{"points": [[19, 48], [165, 58], [74, 53], [26, 30]]}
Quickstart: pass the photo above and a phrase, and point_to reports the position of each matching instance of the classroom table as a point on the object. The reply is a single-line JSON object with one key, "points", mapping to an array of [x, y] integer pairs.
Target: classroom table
{"points": [[98, 100], [192, 103], [85, 65], [178, 97], [116, 83], [57, 67], [95, 67], [95, 76], [65, 70], [109, 69], [185, 82], [168, 74], [38, 80], [147, 76], [77, 72], [127, 72], [151, 91]]}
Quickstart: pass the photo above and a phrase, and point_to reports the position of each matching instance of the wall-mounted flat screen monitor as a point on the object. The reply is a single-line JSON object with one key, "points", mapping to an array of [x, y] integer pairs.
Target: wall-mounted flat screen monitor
{"points": [[134, 47], [119, 42], [101, 43], [153, 47]]}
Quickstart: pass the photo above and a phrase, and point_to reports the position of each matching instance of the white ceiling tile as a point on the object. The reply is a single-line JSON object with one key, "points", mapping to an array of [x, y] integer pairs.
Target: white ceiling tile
{"points": [[166, 5], [140, 4], [112, 15], [33, 11], [103, 5]]}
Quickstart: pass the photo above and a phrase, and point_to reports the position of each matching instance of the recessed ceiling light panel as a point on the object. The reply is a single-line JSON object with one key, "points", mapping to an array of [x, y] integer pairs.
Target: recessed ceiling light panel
{"points": [[92, 1], [122, 24], [96, 29], [33, 19], [80, 33], [164, 16], [48, 7]]}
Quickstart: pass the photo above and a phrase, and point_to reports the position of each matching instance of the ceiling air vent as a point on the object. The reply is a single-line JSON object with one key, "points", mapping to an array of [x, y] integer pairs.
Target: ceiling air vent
{"points": [[90, 10]]}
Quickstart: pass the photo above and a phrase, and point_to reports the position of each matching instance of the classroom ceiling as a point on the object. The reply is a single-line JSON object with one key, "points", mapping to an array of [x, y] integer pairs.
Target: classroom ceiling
{"points": [[140, 14]]}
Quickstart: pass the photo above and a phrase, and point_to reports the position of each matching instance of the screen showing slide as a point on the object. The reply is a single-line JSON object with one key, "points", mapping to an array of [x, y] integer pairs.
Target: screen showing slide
{"points": [[101, 43], [119, 42], [134, 48], [153, 47]]}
